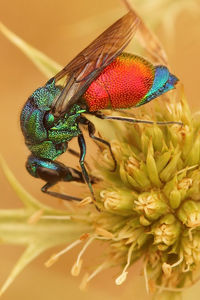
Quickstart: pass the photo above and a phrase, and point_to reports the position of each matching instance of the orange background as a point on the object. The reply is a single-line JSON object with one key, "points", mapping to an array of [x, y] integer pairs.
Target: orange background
{"points": [[61, 29]]}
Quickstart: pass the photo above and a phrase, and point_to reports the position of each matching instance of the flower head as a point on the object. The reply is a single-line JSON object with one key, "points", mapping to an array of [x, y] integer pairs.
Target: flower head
{"points": [[152, 199]]}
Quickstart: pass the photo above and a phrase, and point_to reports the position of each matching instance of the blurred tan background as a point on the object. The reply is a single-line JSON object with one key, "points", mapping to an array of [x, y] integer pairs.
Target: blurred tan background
{"points": [[61, 29]]}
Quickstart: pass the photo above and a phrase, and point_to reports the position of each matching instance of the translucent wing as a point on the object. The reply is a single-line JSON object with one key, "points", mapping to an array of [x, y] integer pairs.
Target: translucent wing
{"points": [[90, 62]]}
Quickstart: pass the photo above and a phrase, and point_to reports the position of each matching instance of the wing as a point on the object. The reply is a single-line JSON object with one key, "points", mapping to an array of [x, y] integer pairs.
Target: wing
{"points": [[90, 62]]}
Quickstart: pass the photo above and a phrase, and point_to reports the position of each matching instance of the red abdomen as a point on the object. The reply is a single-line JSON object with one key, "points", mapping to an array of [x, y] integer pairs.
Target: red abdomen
{"points": [[122, 84]]}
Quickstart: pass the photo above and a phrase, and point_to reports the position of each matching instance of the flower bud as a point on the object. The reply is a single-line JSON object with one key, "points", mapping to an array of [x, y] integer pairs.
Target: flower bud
{"points": [[191, 249], [151, 166], [194, 190], [137, 171], [166, 232], [189, 213], [175, 199], [144, 143], [163, 160], [188, 136], [194, 154], [155, 133], [169, 171], [151, 205], [176, 190], [178, 134], [117, 201], [125, 177]]}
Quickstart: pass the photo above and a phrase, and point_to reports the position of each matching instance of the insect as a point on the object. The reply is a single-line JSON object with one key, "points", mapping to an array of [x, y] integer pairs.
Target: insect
{"points": [[100, 77]]}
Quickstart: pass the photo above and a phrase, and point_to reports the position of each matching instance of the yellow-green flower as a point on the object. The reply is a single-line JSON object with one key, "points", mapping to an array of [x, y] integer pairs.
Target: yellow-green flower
{"points": [[157, 181]]}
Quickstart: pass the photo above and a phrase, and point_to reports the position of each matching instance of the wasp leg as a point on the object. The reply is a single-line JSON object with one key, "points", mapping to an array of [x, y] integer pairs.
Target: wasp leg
{"points": [[76, 154], [48, 185], [53, 172], [91, 130], [82, 145], [73, 152], [132, 120]]}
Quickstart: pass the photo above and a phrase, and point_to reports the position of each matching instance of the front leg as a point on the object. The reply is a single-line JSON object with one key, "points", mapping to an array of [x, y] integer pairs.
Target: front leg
{"points": [[86, 177], [91, 131]]}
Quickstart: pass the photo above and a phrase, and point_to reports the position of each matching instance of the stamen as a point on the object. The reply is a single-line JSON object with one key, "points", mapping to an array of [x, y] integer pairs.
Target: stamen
{"points": [[120, 279], [55, 257], [190, 233], [178, 262], [69, 205], [146, 277], [83, 284], [78, 263], [103, 232], [167, 269], [75, 271], [84, 202], [186, 268], [187, 169], [100, 268], [56, 217], [36, 216]]}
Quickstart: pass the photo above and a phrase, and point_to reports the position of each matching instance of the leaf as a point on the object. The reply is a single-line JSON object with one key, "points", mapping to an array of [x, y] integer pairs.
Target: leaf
{"points": [[46, 233], [25, 197], [52, 227], [29, 254], [45, 64]]}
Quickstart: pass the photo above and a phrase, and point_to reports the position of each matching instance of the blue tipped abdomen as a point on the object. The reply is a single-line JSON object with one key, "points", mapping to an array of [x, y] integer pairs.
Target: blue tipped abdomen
{"points": [[163, 82]]}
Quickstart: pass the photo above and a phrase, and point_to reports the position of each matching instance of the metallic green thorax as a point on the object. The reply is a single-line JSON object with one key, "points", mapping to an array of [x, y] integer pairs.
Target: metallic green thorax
{"points": [[45, 136]]}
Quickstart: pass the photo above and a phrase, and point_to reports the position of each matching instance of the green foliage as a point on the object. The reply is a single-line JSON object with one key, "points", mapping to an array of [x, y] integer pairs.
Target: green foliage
{"points": [[35, 226]]}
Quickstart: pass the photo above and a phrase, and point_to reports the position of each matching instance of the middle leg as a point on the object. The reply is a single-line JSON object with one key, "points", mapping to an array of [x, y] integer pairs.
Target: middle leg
{"points": [[91, 131]]}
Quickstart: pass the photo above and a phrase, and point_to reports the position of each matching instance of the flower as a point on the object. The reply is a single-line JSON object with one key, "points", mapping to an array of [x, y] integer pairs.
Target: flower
{"points": [[153, 197]]}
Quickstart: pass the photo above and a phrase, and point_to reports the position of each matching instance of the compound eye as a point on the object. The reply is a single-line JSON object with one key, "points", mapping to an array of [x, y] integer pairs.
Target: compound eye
{"points": [[48, 120], [32, 100]]}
